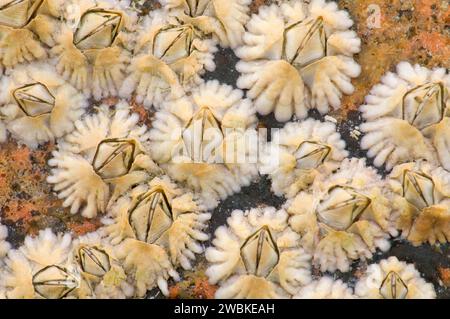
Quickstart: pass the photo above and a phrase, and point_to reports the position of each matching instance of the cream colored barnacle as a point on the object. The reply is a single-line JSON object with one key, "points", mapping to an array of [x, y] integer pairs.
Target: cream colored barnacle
{"points": [[205, 141], [17, 42], [104, 156], [224, 20], [422, 202], [345, 216], [415, 101], [40, 268], [157, 227], [101, 274], [93, 47], [393, 279], [298, 56], [170, 55], [37, 105], [257, 256], [299, 152]]}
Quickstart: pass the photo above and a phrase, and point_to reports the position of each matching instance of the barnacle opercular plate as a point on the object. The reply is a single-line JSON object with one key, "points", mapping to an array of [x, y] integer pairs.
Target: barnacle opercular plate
{"points": [[205, 141], [300, 151], [344, 217], [94, 44], [257, 256], [393, 279], [157, 227], [297, 56], [170, 55], [421, 202], [107, 150], [412, 102], [37, 105]]}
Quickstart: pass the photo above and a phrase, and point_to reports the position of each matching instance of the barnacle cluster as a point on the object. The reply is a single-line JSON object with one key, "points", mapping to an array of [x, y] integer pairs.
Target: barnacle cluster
{"points": [[85, 75]]}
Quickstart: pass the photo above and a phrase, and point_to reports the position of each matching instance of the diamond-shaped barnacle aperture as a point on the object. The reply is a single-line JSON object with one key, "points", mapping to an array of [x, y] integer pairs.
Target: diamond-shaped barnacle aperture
{"points": [[97, 29], [393, 287], [202, 136], [342, 207], [114, 157], [424, 105], [151, 216], [418, 189], [34, 99], [311, 155], [305, 42], [174, 42], [18, 13], [260, 253], [93, 261], [54, 282]]}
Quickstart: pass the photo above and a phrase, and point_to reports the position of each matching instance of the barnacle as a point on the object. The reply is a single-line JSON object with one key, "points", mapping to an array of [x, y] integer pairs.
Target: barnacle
{"points": [[393, 279], [93, 45], [298, 56], [4, 245], [412, 102], [299, 152], [206, 141], [37, 105], [40, 268], [102, 276], [224, 19], [325, 288], [345, 217], [157, 227], [169, 55], [101, 159], [257, 256], [422, 202]]}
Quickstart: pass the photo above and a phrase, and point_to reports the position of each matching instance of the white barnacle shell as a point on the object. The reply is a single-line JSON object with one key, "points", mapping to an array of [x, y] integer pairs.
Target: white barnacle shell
{"points": [[223, 19], [101, 274], [38, 105], [94, 44], [39, 268], [393, 279], [346, 216], [412, 102], [325, 288], [103, 157], [207, 141], [422, 202], [156, 227], [257, 255], [300, 151], [169, 55], [298, 56]]}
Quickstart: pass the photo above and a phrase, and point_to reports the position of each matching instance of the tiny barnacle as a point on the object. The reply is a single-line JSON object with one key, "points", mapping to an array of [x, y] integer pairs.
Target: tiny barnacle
{"points": [[299, 152], [170, 56], [40, 268], [155, 228], [94, 44], [205, 141], [296, 56], [105, 155], [344, 216], [412, 102], [257, 255], [393, 279], [421, 202], [38, 105]]}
